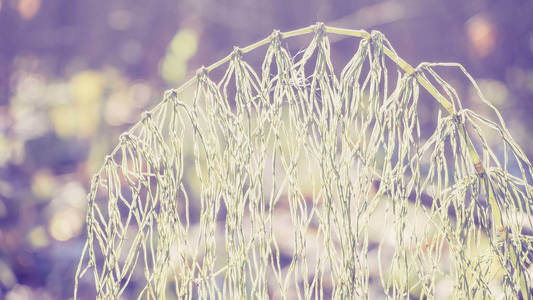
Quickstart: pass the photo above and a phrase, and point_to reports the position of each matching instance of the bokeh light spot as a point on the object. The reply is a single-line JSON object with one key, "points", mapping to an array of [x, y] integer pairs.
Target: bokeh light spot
{"points": [[28, 9], [42, 184], [80, 117], [38, 237], [481, 34], [86, 87], [183, 46], [7, 278], [65, 224], [120, 19], [4, 150], [118, 109], [493, 90], [173, 69]]}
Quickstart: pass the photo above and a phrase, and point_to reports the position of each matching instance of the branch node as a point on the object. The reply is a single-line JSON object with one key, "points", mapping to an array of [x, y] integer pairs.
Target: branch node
{"points": [[236, 54], [320, 30]]}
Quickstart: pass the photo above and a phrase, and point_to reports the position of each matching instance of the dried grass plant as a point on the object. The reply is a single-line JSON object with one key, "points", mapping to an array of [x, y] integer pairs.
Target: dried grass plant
{"points": [[311, 185]]}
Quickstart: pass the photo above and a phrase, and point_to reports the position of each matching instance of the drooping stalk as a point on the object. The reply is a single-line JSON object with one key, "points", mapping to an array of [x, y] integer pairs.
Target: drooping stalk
{"points": [[325, 156]]}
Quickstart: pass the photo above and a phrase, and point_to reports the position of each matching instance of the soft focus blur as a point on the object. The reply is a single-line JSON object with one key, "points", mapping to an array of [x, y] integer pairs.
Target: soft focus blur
{"points": [[75, 74]]}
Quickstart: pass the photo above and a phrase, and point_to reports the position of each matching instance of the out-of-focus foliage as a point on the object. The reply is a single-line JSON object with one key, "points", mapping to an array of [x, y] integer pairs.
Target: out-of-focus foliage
{"points": [[121, 46], [182, 47]]}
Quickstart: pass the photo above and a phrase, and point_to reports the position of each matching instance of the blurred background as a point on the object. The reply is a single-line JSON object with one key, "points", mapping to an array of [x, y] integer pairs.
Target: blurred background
{"points": [[75, 74]]}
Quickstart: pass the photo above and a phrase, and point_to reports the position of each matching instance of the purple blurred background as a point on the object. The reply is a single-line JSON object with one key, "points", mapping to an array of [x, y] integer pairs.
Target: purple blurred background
{"points": [[75, 74]]}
